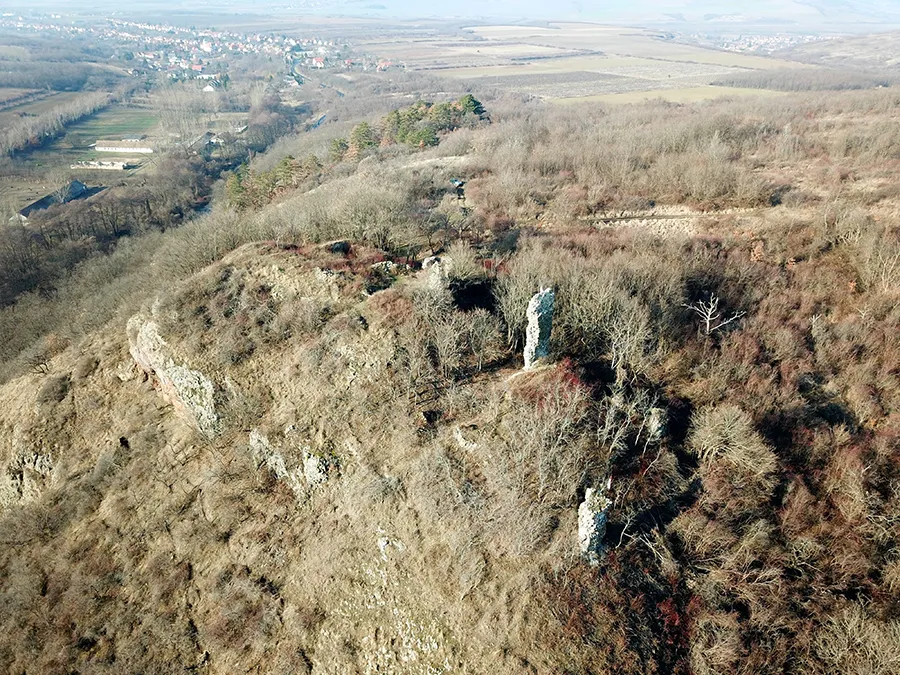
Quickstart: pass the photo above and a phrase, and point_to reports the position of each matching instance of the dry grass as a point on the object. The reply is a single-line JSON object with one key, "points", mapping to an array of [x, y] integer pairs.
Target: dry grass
{"points": [[753, 472]]}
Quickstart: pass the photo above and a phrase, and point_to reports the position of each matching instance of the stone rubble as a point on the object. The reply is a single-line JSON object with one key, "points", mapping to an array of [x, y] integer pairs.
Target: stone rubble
{"points": [[25, 478], [313, 471]]}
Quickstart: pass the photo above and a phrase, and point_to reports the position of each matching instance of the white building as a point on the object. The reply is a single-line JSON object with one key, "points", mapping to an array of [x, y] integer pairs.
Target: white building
{"points": [[139, 147]]}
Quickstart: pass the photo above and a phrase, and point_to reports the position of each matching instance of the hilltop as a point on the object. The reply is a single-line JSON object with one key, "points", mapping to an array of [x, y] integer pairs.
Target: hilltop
{"points": [[878, 52], [297, 433]]}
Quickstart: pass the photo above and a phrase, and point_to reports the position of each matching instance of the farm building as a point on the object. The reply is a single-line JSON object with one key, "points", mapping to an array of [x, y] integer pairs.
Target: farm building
{"points": [[74, 190], [140, 147]]}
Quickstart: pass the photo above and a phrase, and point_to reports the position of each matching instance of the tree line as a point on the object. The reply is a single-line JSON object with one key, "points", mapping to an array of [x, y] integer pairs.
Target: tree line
{"points": [[57, 76], [33, 132], [806, 79]]}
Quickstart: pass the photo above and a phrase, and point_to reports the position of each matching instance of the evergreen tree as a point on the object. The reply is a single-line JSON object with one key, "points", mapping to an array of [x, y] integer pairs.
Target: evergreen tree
{"points": [[361, 138], [471, 105], [338, 149]]}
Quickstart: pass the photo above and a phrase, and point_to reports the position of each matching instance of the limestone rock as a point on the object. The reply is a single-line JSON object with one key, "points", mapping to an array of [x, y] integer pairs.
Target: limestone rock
{"points": [[593, 514], [657, 424], [313, 471], [25, 478], [540, 324], [386, 267], [463, 442], [189, 391], [438, 271]]}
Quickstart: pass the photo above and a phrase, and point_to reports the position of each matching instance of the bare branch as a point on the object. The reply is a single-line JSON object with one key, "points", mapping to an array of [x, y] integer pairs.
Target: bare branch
{"points": [[711, 317]]}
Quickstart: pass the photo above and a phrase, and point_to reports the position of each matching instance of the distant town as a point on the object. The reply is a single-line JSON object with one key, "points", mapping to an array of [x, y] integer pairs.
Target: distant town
{"points": [[753, 43], [195, 53]]}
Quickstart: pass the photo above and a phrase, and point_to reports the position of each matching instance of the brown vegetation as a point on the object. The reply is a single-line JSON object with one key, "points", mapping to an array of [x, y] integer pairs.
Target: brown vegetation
{"points": [[752, 465]]}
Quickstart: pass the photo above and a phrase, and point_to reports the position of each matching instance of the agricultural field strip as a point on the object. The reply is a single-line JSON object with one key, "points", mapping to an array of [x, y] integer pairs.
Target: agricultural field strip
{"points": [[629, 61], [627, 75], [10, 97], [673, 95], [625, 42], [43, 103]]}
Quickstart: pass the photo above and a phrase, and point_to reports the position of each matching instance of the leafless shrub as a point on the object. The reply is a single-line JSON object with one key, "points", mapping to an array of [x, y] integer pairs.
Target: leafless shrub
{"points": [[711, 316], [737, 467], [716, 644], [485, 336], [543, 453], [54, 389], [880, 262], [466, 265], [854, 641]]}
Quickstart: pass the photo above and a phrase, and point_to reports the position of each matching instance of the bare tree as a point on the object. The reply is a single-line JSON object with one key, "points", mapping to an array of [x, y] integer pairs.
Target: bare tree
{"points": [[711, 317], [59, 181]]}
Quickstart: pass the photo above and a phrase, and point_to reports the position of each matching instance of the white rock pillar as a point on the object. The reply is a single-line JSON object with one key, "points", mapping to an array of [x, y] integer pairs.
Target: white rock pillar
{"points": [[540, 324], [593, 514], [438, 271]]}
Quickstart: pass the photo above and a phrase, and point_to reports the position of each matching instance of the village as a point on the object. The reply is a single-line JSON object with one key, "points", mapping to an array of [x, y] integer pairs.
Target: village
{"points": [[194, 53]]}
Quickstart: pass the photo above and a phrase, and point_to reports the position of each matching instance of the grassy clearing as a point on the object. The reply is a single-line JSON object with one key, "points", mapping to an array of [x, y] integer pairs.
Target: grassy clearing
{"points": [[112, 123], [74, 145]]}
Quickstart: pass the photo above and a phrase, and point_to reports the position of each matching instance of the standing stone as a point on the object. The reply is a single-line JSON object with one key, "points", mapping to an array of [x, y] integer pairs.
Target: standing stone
{"points": [[438, 271], [593, 514], [540, 323], [657, 423]]}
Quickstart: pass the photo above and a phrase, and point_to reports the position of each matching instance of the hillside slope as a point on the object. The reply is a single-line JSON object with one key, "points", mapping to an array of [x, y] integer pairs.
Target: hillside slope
{"points": [[877, 52], [310, 513], [287, 438]]}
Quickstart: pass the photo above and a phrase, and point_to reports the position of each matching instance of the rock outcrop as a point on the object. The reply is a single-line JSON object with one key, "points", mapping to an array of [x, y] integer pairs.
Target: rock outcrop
{"points": [[311, 472], [189, 391], [540, 324], [25, 478], [438, 271], [593, 513]]}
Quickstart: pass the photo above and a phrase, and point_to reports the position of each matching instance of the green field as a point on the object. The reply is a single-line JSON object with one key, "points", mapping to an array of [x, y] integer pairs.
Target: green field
{"points": [[114, 122], [74, 146]]}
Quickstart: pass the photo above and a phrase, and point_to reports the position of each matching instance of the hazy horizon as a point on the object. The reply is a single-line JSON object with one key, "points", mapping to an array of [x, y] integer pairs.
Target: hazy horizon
{"points": [[792, 15]]}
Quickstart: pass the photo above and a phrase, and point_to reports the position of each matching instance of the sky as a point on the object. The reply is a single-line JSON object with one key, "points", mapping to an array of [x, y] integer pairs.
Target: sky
{"points": [[690, 10], [774, 12]]}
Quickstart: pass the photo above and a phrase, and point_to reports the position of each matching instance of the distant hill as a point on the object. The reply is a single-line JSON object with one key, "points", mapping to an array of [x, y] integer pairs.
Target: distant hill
{"points": [[844, 15], [813, 12], [880, 51]]}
